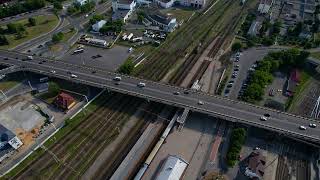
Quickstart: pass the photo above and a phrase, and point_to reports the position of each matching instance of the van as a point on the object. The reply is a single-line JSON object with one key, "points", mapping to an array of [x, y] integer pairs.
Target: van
{"points": [[141, 84], [29, 58]]}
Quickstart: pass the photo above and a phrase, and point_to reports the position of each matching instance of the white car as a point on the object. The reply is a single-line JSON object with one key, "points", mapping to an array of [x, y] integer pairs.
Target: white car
{"points": [[74, 76], [302, 128], [117, 78], [53, 71], [263, 118], [312, 125], [141, 84], [200, 103]]}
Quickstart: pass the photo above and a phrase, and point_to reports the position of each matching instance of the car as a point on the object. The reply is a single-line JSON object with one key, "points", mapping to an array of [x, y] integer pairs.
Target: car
{"points": [[231, 81], [73, 76], [117, 83], [117, 78], [302, 128], [40, 46], [93, 72], [236, 69], [271, 92], [227, 91], [233, 76], [312, 125], [141, 84], [256, 148], [237, 66], [200, 102], [53, 71], [185, 92], [263, 118], [40, 62], [6, 58], [176, 93], [17, 58], [229, 85]]}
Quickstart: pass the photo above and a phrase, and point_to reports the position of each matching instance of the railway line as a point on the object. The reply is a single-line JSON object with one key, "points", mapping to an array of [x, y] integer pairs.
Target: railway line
{"points": [[110, 166], [158, 63], [74, 139]]}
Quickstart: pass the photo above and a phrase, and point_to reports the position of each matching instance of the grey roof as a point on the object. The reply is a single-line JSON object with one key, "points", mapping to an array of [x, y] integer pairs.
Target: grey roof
{"points": [[5, 134], [119, 14], [161, 19]]}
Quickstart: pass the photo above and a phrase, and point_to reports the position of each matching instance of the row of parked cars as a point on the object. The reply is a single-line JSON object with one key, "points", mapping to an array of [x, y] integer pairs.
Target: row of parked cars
{"points": [[234, 75], [245, 83]]}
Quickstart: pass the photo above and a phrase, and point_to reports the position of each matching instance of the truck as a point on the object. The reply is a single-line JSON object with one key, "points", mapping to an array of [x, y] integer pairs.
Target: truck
{"points": [[130, 36]]}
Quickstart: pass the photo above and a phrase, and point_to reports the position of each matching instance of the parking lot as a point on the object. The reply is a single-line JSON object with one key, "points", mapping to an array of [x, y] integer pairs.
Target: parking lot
{"points": [[245, 61], [106, 59]]}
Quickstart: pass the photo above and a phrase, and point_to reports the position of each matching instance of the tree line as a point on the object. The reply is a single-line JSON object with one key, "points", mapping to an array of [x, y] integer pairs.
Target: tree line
{"points": [[21, 7]]}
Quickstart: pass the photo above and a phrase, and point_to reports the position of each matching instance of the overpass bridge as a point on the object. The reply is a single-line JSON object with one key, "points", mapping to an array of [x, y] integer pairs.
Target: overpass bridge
{"points": [[230, 110]]}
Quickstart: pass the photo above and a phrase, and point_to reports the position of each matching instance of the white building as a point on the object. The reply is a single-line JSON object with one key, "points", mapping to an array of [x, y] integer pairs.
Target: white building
{"points": [[172, 169], [122, 9], [81, 2], [264, 6], [8, 137], [189, 3], [98, 25], [166, 23]]}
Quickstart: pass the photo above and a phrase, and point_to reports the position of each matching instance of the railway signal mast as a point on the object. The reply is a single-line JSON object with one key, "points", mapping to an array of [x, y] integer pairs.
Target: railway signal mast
{"points": [[316, 110]]}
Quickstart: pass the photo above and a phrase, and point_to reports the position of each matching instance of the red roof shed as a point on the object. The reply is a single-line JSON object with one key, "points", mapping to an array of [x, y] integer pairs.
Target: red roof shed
{"points": [[64, 101]]}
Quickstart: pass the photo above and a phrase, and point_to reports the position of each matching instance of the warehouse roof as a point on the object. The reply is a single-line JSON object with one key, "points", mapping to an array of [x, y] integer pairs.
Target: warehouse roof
{"points": [[173, 168]]}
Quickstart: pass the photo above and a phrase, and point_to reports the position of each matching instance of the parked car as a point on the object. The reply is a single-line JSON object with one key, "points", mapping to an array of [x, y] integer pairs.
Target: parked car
{"points": [[271, 92], [141, 84], [302, 128], [312, 125]]}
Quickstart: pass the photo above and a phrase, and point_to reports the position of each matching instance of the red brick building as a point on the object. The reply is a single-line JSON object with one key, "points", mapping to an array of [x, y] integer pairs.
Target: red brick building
{"points": [[64, 101]]}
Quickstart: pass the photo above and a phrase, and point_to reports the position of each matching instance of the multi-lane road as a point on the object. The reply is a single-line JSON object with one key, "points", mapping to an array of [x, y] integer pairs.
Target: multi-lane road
{"points": [[227, 109]]}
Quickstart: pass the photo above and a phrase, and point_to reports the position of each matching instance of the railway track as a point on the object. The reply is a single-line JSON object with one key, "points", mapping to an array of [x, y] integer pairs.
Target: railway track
{"points": [[110, 166], [98, 141], [155, 67], [61, 148]]}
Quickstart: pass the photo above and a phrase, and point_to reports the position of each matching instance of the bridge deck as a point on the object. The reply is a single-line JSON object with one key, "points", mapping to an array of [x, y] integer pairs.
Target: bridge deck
{"points": [[227, 109]]}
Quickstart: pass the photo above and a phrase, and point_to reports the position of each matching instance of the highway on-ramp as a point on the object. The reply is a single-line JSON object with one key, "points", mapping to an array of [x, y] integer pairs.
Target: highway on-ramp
{"points": [[227, 109]]}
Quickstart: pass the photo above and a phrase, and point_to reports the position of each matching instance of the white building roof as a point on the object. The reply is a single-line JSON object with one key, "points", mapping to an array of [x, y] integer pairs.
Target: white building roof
{"points": [[98, 25], [172, 169]]}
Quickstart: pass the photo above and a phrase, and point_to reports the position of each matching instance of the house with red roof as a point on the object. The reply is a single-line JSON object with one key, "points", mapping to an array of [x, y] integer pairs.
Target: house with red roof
{"points": [[64, 101]]}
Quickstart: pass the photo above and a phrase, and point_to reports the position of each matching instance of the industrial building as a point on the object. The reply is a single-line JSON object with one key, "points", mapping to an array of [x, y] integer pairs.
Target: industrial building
{"points": [[8, 142], [122, 9], [98, 25], [173, 168], [166, 23], [188, 3]]}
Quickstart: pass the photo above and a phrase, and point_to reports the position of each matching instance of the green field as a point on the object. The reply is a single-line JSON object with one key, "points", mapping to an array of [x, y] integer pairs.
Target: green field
{"points": [[179, 13], [44, 24], [10, 81]]}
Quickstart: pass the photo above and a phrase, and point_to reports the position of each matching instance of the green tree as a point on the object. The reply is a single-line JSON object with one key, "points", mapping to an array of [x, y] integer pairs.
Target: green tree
{"points": [[3, 40], [32, 21], [253, 93], [57, 5], [126, 68], [236, 46], [95, 18], [57, 37]]}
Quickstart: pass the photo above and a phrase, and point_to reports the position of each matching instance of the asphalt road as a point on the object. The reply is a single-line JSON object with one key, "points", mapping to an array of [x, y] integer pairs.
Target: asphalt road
{"points": [[227, 109]]}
